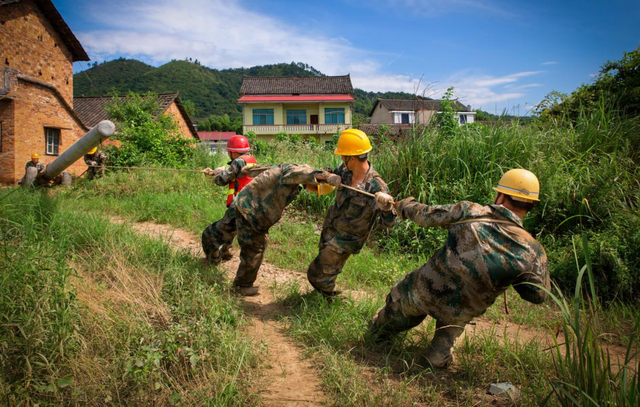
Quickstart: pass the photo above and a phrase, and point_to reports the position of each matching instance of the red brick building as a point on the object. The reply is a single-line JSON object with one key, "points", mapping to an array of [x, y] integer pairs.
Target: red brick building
{"points": [[37, 52]]}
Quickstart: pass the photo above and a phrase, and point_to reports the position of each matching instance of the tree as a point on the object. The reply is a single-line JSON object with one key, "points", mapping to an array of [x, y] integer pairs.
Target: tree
{"points": [[146, 137]]}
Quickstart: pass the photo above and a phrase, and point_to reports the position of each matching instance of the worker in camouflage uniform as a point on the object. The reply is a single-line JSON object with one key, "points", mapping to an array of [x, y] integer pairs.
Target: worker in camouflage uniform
{"points": [[350, 219], [487, 250], [34, 162], [238, 150], [95, 160], [254, 210]]}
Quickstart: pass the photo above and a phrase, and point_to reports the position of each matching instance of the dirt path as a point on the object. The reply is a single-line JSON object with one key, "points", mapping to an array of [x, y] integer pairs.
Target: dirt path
{"points": [[290, 380]]}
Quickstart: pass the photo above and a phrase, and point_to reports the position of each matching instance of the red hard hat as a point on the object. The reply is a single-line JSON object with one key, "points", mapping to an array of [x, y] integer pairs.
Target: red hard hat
{"points": [[238, 144]]}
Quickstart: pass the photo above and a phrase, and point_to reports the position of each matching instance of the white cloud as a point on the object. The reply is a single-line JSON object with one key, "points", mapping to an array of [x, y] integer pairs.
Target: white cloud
{"points": [[550, 63], [223, 34]]}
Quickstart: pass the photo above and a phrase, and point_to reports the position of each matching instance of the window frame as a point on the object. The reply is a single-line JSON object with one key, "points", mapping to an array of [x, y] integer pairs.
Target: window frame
{"points": [[299, 114], [334, 111], [55, 146], [263, 113]]}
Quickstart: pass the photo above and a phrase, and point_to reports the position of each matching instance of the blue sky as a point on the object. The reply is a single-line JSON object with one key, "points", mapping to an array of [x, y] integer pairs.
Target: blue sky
{"points": [[497, 54]]}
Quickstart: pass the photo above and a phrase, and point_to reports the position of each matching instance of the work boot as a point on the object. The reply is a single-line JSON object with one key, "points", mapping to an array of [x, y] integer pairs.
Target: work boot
{"points": [[225, 253], [246, 291], [439, 359]]}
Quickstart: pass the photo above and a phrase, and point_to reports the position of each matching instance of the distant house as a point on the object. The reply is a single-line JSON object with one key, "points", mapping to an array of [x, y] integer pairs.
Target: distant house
{"points": [[37, 52], [418, 111], [215, 140], [318, 106], [91, 111]]}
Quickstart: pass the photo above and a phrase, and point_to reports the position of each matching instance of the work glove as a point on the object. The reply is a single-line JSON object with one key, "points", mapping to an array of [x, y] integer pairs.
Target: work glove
{"points": [[208, 171], [398, 205], [93, 163], [384, 201], [219, 170], [334, 180]]}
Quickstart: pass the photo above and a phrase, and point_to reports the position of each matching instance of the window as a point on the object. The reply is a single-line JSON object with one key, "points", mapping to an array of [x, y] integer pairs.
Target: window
{"points": [[297, 116], [52, 137], [262, 116], [334, 115], [463, 118], [405, 118]]}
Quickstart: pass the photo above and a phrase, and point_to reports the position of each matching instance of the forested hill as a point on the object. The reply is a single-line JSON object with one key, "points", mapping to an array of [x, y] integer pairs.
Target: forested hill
{"points": [[212, 91]]}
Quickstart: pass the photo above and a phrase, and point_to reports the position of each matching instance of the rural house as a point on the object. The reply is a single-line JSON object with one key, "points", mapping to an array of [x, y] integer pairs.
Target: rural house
{"points": [[91, 111], [37, 51], [215, 140], [418, 111], [318, 106]]}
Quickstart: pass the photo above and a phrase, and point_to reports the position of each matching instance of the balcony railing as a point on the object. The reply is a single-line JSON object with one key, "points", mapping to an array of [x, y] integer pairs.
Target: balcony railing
{"points": [[297, 128]]}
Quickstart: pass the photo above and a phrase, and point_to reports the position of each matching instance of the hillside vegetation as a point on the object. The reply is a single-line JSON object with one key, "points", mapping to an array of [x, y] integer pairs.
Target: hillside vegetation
{"points": [[212, 91]]}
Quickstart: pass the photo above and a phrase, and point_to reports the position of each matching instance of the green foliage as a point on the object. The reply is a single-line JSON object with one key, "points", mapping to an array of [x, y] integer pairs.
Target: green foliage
{"points": [[617, 81], [146, 138], [445, 120], [221, 123], [92, 314], [213, 92]]}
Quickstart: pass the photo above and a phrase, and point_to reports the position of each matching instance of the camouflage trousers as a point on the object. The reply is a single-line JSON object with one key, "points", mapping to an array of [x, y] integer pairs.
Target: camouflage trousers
{"points": [[324, 269], [95, 172], [253, 244], [399, 315]]}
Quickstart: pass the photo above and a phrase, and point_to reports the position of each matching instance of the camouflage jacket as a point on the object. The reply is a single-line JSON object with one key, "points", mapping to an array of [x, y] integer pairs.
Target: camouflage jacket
{"points": [[97, 158], [39, 166], [479, 260], [231, 173], [264, 199], [350, 219]]}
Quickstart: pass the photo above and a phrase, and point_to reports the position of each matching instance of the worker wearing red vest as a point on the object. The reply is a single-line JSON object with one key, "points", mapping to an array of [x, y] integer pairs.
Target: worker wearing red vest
{"points": [[238, 149]]}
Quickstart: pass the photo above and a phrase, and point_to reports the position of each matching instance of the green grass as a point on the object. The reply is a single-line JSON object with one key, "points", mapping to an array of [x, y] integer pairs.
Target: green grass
{"points": [[93, 313]]}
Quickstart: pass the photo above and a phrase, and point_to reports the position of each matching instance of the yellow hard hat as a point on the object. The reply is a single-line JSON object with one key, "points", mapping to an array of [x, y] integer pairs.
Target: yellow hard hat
{"points": [[325, 189], [353, 142], [93, 150], [519, 184], [35, 155]]}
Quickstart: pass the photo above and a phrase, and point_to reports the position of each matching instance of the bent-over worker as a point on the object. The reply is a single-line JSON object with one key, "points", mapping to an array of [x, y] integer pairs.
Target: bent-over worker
{"points": [[95, 160], [487, 250], [238, 150], [250, 215]]}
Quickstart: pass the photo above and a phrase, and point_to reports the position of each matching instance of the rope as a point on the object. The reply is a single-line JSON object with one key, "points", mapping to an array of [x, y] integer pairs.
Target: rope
{"points": [[145, 168]]}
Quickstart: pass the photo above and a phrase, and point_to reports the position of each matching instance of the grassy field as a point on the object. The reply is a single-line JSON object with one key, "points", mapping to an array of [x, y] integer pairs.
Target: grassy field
{"points": [[96, 314]]}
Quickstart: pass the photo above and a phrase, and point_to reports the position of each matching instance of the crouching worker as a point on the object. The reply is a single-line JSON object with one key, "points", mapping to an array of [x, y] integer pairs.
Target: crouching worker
{"points": [[487, 250], [238, 150], [35, 163], [95, 160], [250, 215]]}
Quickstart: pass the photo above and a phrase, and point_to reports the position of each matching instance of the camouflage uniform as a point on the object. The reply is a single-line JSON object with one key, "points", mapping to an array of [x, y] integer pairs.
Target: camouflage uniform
{"points": [[479, 261], [95, 162], [256, 208], [227, 223], [38, 166], [346, 227]]}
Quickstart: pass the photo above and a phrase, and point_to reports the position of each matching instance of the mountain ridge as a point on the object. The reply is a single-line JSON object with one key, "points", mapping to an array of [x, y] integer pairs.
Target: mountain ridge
{"points": [[212, 91]]}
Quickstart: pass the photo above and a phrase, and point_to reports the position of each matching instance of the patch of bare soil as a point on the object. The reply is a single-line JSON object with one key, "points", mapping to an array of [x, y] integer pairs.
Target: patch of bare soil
{"points": [[291, 380]]}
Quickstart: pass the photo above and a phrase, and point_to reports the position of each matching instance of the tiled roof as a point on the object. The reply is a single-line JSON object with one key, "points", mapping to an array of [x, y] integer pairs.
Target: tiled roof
{"points": [[392, 130], [291, 85], [91, 110], [413, 105], [296, 98], [61, 27]]}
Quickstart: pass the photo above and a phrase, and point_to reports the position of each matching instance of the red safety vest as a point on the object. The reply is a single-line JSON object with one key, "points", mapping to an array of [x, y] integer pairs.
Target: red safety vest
{"points": [[237, 184]]}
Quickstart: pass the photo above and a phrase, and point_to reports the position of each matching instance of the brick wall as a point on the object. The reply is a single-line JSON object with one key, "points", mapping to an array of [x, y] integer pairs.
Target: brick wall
{"points": [[184, 127], [32, 46], [7, 156], [36, 108]]}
